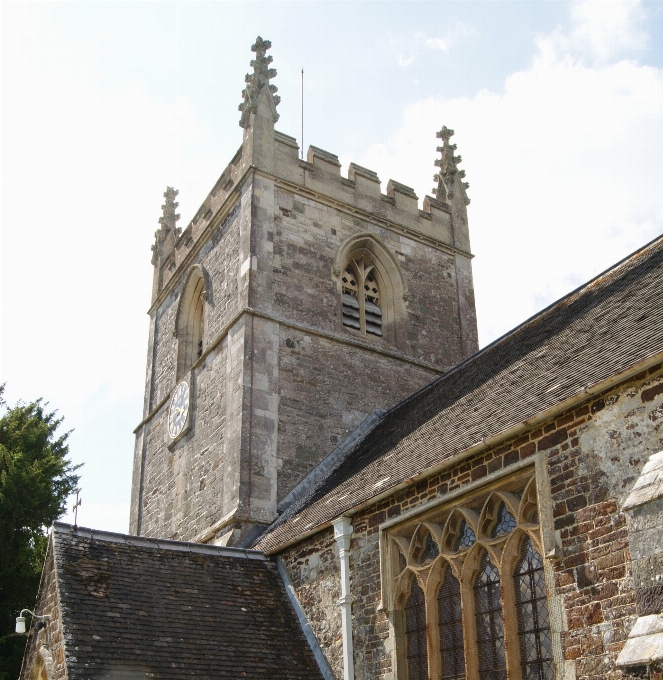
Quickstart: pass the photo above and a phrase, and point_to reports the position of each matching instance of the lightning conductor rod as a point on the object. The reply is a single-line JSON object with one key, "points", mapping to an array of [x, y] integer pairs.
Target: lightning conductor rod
{"points": [[302, 114]]}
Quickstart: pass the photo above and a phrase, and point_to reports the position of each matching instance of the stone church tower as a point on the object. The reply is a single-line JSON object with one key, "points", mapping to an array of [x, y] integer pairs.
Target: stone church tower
{"points": [[295, 304]]}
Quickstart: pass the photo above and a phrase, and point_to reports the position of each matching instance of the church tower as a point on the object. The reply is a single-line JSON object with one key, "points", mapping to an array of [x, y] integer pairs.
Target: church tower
{"points": [[295, 303]]}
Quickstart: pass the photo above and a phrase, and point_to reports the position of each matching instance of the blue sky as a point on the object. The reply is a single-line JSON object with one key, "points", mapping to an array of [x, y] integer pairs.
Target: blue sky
{"points": [[557, 107]]}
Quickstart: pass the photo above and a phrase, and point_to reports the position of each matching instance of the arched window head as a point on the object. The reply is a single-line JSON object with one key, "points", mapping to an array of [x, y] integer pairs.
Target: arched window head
{"points": [[190, 324], [372, 288], [361, 297]]}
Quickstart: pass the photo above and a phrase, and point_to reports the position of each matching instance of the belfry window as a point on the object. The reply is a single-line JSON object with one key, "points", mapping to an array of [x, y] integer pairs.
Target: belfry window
{"points": [[191, 322], [361, 297], [469, 593]]}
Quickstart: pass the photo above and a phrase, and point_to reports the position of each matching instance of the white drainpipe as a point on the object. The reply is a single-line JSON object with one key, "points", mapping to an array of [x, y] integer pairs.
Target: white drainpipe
{"points": [[342, 534]]}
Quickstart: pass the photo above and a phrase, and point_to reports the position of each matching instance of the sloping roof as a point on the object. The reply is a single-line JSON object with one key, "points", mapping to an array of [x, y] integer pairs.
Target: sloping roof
{"points": [[135, 607], [598, 331]]}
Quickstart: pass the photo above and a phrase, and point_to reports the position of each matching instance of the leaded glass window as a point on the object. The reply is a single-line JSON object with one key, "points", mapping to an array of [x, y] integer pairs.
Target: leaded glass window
{"points": [[473, 593], [415, 633], [532, 611], [450, 622], [505, 522], [430, 551], [489, 621], [465, 537]]}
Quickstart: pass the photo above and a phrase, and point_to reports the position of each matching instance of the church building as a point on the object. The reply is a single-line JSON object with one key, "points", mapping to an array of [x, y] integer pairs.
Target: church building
{"points": [[332, 481]]}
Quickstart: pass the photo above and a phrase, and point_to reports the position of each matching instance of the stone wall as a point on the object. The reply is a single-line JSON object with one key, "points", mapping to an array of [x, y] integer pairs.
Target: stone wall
{"points": [[282, 382], [593, 455], [46, 648]]}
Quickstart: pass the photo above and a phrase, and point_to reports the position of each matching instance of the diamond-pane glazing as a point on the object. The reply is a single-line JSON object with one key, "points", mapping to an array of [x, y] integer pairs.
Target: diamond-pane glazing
{"points": [[489, 622], [505, 523], [465, 537], [532, 612], [430, 551], [415, 633], [450, 621]]}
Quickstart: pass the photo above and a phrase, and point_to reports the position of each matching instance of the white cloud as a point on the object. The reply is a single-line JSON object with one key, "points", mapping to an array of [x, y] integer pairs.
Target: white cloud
{"points": [[565, 175], [459, 31], [602, 30], [405, 62], [436, 43]]}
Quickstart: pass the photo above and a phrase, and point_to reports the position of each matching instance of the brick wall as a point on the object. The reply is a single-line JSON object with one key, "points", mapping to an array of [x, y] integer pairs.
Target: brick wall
{"points": [[594, 454]]}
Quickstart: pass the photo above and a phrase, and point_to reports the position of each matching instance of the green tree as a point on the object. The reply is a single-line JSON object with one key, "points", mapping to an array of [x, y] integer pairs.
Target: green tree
{"points": [[36, 477]]}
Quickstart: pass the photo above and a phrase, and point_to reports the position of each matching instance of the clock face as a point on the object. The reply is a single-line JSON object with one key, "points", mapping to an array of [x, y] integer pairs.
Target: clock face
{"points": [[179, 408]]}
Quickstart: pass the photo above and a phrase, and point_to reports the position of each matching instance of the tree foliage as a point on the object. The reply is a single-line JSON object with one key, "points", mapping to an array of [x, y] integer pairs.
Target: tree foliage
{"points": [[36, 477]]}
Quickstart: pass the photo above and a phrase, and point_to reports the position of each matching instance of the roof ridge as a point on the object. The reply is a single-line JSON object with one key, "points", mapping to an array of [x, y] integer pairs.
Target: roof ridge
{"points": [[525, 324], [160, 543]]}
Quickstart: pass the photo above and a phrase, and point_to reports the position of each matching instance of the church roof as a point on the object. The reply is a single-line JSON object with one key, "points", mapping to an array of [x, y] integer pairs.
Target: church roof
{"points": [[136, 607], [598, 331]]}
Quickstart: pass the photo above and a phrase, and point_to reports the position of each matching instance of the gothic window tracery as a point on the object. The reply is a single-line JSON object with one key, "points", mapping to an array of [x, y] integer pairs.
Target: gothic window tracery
{"points": [[361, 297], [474, 572], [190, 324]]}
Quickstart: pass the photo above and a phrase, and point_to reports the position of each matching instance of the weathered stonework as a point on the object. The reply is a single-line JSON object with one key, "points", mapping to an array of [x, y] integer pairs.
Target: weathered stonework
{"points": [[281, 381], [585, 452], [45, 648]]}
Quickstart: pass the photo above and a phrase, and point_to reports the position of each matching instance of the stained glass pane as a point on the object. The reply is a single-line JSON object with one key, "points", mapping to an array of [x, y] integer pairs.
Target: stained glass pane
{"points": [[505, 523], [465, 537], [533, 620], [430, 551], [450, 621], [415, 633], [489, 621]]}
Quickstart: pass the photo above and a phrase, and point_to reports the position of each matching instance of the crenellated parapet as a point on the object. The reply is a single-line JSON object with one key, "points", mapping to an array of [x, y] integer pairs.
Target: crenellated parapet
{"points": [[440, 220]]}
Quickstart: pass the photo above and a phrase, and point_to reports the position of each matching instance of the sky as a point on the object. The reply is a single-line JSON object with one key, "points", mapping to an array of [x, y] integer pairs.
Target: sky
{"points": [[557, 108]]}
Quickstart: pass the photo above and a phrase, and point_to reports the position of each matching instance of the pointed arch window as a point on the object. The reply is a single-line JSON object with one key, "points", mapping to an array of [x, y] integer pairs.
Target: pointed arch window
{"points": [[450, 622], [190, 324], [415, 633], [372, 291], [361, 297], [532, 610], [489, 621], [472, 589]]}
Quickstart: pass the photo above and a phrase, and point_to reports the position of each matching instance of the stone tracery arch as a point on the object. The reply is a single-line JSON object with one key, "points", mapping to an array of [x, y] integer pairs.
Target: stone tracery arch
{"points": [[190, 319], [366, 255]]}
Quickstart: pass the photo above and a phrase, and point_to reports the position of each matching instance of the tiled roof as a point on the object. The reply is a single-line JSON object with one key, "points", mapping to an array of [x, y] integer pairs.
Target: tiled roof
{"points": [[598, 331], [134, 607]]}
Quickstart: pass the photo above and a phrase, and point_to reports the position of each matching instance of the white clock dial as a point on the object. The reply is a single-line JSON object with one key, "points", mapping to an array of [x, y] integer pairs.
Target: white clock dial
{"points": [[179, 409]]}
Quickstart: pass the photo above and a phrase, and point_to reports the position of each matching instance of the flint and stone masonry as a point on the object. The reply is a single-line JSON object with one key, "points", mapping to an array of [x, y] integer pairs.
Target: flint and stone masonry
{"points": [[280, 381]]}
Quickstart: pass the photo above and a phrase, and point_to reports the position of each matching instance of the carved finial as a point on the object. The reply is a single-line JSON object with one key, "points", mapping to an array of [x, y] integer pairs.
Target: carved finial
{"points": [[446, 178], [168, 222], [256, 81]]}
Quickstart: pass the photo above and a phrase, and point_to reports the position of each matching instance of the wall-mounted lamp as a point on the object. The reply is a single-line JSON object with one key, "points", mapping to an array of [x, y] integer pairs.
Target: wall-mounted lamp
{"points": [[20, 621]]}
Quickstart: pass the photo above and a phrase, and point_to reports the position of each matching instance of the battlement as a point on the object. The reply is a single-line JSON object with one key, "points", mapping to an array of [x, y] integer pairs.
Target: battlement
{"points": [[441, 220]]}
